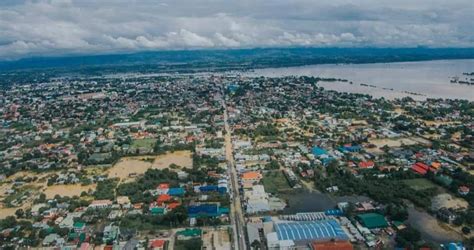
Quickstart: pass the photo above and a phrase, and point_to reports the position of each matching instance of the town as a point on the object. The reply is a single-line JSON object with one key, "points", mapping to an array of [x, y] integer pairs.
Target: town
{"points": [[225, 161]]}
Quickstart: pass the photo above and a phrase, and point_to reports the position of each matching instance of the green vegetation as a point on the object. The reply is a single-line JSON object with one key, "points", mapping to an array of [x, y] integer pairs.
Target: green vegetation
{"points": [[152, 177], [275, 182], [420, 184], [143, 143], [192, 244], [106, 189]]}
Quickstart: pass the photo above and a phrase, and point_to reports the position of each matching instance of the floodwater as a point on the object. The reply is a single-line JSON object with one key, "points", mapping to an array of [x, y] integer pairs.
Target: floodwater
{"points": [[430, 228], [305, 201], [428, 79]]}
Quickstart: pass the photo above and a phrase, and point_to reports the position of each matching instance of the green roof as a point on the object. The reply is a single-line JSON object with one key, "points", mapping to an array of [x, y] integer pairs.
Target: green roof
{"points": [[157, 210], [372, 220], [190, 232], [79, 224]]}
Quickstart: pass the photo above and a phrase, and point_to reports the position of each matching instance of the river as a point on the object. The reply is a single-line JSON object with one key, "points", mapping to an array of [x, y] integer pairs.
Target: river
{"points": [[429, 79]]}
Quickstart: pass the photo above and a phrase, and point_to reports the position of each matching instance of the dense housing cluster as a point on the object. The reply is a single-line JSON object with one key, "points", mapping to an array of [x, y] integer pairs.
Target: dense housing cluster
{"points": [[189, 161]]}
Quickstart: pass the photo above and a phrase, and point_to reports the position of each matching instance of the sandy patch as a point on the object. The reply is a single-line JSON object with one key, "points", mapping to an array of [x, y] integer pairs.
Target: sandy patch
{"points": [[395, 143], [448, 201], [180, 158], [127, 168], [67, 190], [130, 167]]}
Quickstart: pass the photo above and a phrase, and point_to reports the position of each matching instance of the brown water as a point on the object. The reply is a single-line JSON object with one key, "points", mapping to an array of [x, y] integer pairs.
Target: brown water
{"points": [[428, 78]]}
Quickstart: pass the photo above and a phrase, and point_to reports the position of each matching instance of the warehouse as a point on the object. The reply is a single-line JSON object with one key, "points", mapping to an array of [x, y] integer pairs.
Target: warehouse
{"points": [[290, 233]]}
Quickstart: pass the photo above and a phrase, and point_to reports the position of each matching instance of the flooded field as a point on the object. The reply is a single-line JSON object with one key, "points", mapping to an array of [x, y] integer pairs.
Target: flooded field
{"points": [[305, 201], [430, 228], [429, 79]]}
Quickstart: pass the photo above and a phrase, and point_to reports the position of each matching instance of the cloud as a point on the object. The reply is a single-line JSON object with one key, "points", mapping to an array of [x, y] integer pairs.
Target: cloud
{"points": [[56, 27]]}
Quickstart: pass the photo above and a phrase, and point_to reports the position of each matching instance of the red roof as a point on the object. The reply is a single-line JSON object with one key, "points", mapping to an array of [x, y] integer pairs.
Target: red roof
{"points": [[173, 205], [422, 165], [366, 164], [164, 186], [419, 169], [464, 189], [162, 198], [332, 245], [157, 243]]}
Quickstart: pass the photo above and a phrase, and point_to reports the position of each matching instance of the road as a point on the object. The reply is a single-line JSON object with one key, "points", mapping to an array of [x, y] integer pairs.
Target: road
{"points": [[236, 216]]}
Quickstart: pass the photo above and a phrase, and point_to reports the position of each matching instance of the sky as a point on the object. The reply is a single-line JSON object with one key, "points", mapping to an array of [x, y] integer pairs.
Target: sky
{"points": [[64, 27]]}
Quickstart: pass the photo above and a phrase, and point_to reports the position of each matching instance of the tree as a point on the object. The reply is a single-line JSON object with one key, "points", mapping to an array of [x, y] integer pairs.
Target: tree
{"points": [[19, 213], [255, 244]]}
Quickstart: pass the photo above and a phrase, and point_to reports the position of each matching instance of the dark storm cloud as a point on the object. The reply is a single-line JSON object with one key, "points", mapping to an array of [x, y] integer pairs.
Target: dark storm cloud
{"points": [[50, 27]]}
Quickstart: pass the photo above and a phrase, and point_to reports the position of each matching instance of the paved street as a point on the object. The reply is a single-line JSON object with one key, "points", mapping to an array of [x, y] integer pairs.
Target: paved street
{"points": [[237, 218]]}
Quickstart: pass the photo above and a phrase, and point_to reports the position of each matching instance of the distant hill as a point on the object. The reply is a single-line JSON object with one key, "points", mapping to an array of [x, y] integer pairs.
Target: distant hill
{"points": [[241, 58]]}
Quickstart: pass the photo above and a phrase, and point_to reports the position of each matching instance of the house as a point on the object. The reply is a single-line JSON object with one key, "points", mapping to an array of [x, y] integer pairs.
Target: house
{"points": [[446, 215], [157, 244], [420, 168], [111, 232], [463, 190], [251, 176], [162, 198], [366, 164], [372, 220], [157, 210], [163, 188], [53, 239], [79, 226], [123, 201], [332, 245], [203, 210], [189, 233], [100, 204], [176, 191]]}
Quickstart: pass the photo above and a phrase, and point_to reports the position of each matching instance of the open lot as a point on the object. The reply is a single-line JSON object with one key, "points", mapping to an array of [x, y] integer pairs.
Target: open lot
{"points": [[218, 239], [67, 190], [275, 181], [420, 184], [395, 143], [448, 201], [128, 168], [143, 143]]}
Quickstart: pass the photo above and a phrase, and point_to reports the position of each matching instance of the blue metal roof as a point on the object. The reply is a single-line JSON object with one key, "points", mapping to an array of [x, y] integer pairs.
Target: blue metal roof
{"points": [[176, 191], [317, 151], [310, 230]]}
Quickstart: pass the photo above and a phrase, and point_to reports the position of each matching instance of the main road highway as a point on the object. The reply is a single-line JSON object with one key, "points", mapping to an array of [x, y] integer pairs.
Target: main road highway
{"points": [[236, 215]]}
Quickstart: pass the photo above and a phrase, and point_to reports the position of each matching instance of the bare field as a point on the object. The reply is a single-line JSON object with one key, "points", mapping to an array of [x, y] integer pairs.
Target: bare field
{"points": [[395, 143], [180, 158], [129, 167], [66, 190]]}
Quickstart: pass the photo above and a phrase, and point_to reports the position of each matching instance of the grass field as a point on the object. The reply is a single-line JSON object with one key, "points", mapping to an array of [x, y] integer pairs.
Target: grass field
{"points": [[143, 143], [420, 184], [275, 182]]}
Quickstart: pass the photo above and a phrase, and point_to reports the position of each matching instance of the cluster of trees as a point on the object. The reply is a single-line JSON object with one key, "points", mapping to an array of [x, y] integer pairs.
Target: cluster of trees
{"points": [[174, 218], [152, 177], [385, 190], [105, 189]]}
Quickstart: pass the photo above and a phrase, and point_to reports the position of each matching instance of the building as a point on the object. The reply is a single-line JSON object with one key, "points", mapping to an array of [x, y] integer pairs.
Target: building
{"points": [[100, 204], [420, 168], [332, 245], [251, 176], [298, 233], [157, 244], [372, 220], [463, 190], [203, 210], [366, 164]]}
